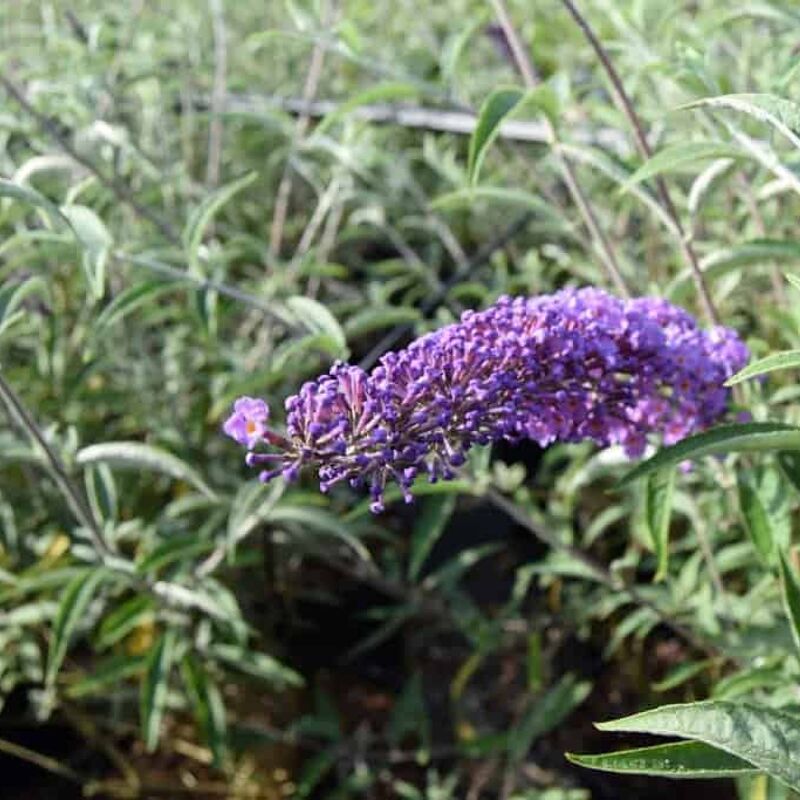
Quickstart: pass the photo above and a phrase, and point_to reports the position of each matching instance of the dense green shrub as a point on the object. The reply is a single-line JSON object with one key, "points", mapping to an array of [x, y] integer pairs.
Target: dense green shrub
{"points": [[206, 200]]}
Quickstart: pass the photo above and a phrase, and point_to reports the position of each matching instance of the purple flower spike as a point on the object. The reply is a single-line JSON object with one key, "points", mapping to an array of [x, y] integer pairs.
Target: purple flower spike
{"points": [[248, 423], [575, 365]]}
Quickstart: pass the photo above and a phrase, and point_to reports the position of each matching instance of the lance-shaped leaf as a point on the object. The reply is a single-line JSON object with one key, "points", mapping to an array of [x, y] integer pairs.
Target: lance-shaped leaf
{"points": [[681, 155], [497, 106], [790, 359], [791, 598], [675, 760], [764, 737], [755, 517], [138, 455], [72, 608], [742, 437], [658, 512], [204, 213], [153, 694]]}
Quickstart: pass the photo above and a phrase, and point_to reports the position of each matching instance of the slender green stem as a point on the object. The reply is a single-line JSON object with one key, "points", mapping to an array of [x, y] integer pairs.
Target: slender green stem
{"points": [[579, 197], [73, 495], [625, 103]]}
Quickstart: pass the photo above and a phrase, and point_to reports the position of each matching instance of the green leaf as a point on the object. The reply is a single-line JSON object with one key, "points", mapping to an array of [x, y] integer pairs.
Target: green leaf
{"points": [[546, 713], [497, 106], [380, 93], [318, 520], [680, 674], [748, 680], [123, 619], [599, 160], [71, 611], [753, 253], [658, 513], [764, 737], [11, 296], [436, 511], [101, 491], [502, 196], [30, 196], [201, 217], [132, 298], [676, 760], [107, 674], [794, 280], [778, 112], [372, 319], [409, 715], [789, 359], [755, 516], [259, 665], [153, 691], [137, 455], [209, 709], [96, 242], [789, 462], [318, 319], [741, 437], [791, 598], [681, 155], [175, 548]]}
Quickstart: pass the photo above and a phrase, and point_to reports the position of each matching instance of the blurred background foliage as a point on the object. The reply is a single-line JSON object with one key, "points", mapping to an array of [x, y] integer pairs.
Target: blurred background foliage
{"points": [[206, 199]]}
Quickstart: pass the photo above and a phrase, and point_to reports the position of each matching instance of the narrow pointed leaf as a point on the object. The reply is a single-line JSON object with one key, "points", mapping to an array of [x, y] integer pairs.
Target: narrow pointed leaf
{"points": [[95, 241], [436, 511], [107, 675], [123, 619], [658, 512], [11, 296], [755, 517], [154, 687], [676, 760], [134, 297], [682, 155], [781, 114], [26, 194], [259, 665], [790, 359], [765, 737], [209, 709], [201, 217], [743, 437], [74, 602], [318, 319], [545, 713], [138, 455], [791, 598], [497, 106]]}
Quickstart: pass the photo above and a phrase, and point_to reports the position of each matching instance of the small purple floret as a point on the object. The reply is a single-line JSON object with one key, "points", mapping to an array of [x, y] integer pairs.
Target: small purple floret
{"points": [[248, 423], [575, 365]]}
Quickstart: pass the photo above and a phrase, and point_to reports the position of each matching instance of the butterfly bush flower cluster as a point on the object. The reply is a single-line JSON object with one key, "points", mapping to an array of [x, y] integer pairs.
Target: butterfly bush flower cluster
{"points": [[575, 365]]}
